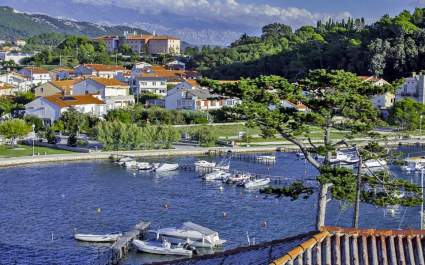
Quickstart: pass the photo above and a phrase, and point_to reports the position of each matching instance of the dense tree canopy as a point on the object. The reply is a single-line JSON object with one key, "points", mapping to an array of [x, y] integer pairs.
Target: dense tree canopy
{"points": [[392, 47]]}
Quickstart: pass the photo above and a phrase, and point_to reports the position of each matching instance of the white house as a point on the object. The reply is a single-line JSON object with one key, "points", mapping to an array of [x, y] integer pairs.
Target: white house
{"points": [[413, 87], [149, 84], [189, 95], [50, 108], [37, 75], [114, 93], [99, 70], [16, 57], [384, 101], [21, 82]]}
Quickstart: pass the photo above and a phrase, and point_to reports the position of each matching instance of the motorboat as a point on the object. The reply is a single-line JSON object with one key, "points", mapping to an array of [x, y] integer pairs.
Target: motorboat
{"points": [[161, 248], [375, 163], [344, 157], [144, 166], [131, 164], [165, 167], [300, 155], [123, 160], [217, 175], [107, 238], [255, 183], [266, 158], [413, 164], [204, 164], [193, 233], [237, 178]]}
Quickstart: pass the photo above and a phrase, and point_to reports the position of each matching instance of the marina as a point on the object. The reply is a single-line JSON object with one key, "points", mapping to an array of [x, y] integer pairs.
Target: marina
{"points": [[166, 199]]}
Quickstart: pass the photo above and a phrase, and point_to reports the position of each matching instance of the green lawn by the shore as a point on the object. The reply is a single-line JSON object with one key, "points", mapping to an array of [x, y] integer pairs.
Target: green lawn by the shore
{"points": [[24, 150]]}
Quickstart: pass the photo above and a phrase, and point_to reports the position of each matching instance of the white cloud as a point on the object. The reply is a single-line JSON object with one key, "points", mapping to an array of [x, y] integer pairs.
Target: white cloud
{"points": [[224, 11]]}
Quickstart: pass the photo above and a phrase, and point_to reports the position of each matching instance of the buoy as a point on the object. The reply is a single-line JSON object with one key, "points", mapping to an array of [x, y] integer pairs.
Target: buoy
{"points": [[98, 210], [264, 224], [134, 173], [166, 206], [221, 188], [224, 214]]}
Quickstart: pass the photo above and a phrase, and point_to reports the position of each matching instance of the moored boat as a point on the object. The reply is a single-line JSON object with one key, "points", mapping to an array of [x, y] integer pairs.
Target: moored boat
{"points": [[131, 164], [237, 178], [166, 167], [144, 166], [266, 158], [123, 160], [161, 248], [204, 164], [216, 175], [255, 183], [107, 238]]}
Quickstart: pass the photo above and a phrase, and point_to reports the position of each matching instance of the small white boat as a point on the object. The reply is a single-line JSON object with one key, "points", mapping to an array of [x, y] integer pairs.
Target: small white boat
{"points": [[204, 164], [375, 163], [300, 155], [217, 175], [166, 167], [144, 166], [266, 159], [98, 238], [255, 183], [131, 164], [192, 233], [123, 160], [237, 178], [164, 248]]}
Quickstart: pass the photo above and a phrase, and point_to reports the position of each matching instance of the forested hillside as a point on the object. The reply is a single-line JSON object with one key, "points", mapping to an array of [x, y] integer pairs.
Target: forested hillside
{"points": [[392, 47]]}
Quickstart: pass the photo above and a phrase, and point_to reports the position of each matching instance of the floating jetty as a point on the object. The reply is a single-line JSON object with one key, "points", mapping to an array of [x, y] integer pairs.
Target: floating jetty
{"points": [[121, 247]]}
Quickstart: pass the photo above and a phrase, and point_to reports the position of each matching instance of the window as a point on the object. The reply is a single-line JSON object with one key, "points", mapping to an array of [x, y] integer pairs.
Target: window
{"points": [[154, 83], [162, 83]]}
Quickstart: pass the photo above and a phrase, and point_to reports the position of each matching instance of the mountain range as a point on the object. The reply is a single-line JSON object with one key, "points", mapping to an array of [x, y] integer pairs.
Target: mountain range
{"points": [[14, 25]]}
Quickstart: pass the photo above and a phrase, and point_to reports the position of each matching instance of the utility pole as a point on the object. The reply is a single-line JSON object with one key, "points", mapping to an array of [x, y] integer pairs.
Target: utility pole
{"points": [[358, 184]]}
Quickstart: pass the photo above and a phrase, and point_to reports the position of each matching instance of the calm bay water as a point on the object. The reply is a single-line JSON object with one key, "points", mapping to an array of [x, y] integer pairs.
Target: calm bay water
{"points": [[43, 205]]}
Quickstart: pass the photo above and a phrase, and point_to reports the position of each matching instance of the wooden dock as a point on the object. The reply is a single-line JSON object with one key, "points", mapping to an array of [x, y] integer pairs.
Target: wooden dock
{"points": [[121, 247]]}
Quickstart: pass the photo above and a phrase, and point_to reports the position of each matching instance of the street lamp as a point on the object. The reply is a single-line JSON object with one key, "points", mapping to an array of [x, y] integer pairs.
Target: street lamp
{"points": [[33, 136]]}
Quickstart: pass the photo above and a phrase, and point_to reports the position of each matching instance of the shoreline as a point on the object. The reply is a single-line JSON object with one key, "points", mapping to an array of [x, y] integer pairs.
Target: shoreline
{"points": [[58, 158]]}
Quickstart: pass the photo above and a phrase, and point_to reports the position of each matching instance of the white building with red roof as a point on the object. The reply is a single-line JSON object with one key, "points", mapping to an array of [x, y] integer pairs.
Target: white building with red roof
{"points": [[37, 75], [50, 108], [99, 70]]}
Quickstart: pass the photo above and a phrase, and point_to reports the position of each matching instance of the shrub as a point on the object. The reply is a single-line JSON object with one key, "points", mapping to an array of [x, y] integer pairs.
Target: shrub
{"points": [[72, 140]]}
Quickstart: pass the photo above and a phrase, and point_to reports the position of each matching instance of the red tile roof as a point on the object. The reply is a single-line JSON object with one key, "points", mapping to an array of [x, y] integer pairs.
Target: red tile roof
{"points": [[108, 82], [105, 67]]}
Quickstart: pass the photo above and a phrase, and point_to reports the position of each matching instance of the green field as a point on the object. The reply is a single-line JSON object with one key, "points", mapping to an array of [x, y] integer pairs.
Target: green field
{"points": [[24, 150]]}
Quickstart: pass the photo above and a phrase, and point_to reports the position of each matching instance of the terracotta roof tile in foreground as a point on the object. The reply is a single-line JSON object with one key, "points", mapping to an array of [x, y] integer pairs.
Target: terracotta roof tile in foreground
{"points": [[338, 245], [69, 101]]}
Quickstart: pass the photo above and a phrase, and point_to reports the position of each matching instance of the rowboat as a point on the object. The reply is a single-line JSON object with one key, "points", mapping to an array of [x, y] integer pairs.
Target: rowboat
{"points": [[217, 175], [161, 248], [98, 238], [166, 167], [255, 183]]}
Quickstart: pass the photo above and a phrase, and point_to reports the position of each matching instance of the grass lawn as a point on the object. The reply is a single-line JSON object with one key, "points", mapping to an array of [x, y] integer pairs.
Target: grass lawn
{"points": [[25, 150]]}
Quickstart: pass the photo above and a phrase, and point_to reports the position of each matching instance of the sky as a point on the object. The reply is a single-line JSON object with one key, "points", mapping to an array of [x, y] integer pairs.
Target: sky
{"points": [[211, 21]]}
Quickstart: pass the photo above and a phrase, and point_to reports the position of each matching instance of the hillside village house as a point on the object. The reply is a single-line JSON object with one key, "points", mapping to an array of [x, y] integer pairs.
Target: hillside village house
{"points": [[384, 101], [62, 73], [114, 93], [99, 70], [190, 95], [21, 82], [149, 84], [63, 87], [143, 43], [413, 87], [37, 75], [16, 57], [7, 89], [50, 108], [176, 65]]}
